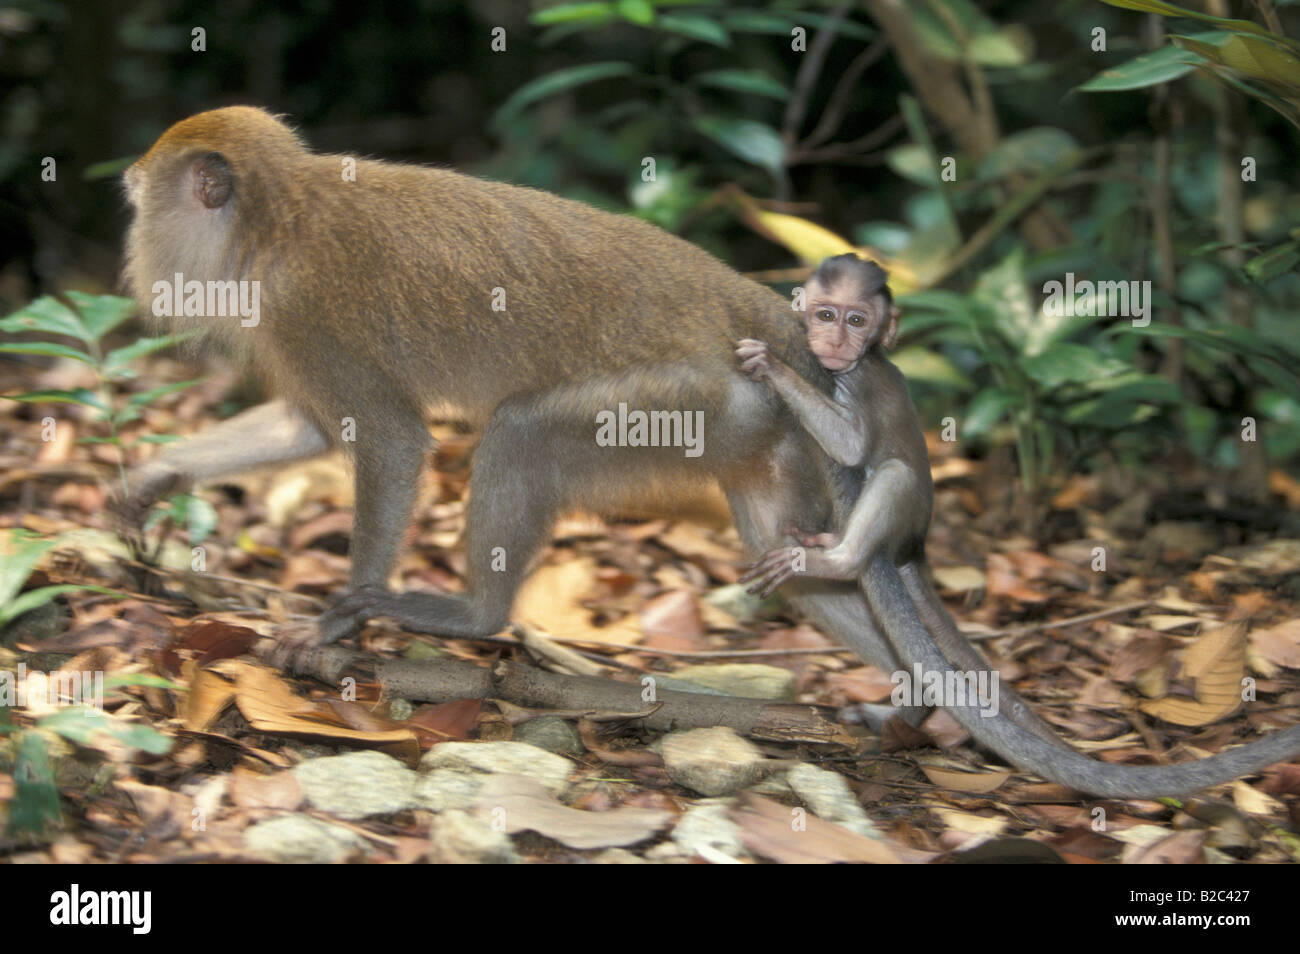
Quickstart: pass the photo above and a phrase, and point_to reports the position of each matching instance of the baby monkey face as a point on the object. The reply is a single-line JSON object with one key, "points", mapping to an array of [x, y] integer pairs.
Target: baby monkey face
{"points": [[845, 321]]}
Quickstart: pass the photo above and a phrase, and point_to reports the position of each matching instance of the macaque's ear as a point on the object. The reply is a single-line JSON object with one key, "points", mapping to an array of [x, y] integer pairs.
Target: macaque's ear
{"points": [[891, 328], [213, 180]]}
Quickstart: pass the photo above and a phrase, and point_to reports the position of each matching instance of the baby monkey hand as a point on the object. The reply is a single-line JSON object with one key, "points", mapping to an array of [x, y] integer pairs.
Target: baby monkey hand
{"points": [[755, 358]]}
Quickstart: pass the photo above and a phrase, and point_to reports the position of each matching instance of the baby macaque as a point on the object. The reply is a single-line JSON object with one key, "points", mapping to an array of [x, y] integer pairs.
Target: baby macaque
{"points": [[868, 426]]}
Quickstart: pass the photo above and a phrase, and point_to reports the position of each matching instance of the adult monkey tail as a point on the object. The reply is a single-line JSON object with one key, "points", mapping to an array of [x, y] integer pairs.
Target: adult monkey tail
{"points": [[891, 605]]}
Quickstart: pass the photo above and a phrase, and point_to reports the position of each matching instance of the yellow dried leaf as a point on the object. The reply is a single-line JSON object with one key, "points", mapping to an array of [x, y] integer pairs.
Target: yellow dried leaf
{"points": [[1216, 663], [975, 782]]}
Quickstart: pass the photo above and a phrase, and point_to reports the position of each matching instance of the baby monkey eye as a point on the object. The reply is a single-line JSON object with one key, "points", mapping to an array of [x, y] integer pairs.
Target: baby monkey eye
{"points": [[825, 314], [857, 318]]}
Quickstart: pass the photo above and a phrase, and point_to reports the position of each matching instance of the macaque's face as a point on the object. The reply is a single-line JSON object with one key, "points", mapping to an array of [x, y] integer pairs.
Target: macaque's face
{"points": [[842, 326]]}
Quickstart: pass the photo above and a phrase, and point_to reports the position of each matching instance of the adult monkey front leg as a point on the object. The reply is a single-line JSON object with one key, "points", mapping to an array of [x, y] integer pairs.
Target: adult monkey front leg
{"points": [[270, 433]]}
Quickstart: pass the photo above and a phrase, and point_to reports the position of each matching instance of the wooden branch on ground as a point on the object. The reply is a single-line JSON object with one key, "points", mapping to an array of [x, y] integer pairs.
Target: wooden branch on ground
{"points": [[442, 680]]}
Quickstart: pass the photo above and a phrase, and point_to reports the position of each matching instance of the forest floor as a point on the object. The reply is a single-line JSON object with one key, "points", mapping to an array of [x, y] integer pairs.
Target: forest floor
{"points": [[1131, 620]]}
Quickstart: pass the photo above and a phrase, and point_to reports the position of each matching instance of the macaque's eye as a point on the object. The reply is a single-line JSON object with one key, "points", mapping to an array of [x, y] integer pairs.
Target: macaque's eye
{"points": [[857, 319], [825, 314]]}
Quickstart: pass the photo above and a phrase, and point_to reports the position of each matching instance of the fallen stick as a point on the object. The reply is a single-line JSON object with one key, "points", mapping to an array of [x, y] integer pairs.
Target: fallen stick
{"points": [[442, 680]]}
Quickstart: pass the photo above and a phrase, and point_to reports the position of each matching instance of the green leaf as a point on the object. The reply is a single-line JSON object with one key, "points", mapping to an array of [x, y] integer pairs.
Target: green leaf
{"points": [[963, 31], [148, 397], [44, 594], [108, 169], [1136, 386], [937, 300], [142, 679], [1169, 10], [126, 414], [35, 802], [700, 28], [80, 724], [1125, 405], [1036, 149], [1251, 57], [1065, 363], [1005, 48], [119, 358], [640, 12], [744, 81], [49, 315], [987, 409], [101, 313], [20, 551], [557, 82], [846, 28], [1150, 69], [159, 439], [752, 141], [922, 364], [198, 516], [47, 348], [754, 21], [1277, 261], [914, 163], [79, 396], [1015, 315], [591, 14]]}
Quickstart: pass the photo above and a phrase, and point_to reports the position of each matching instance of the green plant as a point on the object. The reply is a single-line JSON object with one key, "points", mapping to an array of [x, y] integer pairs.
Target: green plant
{"points": [[1061, 389], [87, 320], [666, 96], [1241, 56]]}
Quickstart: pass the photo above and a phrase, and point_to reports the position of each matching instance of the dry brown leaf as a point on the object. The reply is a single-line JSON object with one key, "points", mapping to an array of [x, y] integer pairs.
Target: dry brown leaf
{"points": [[1078, 490], [550, 599], [769, 829], [1004, 579], [270, 704], [958, 781], [952, 469], [862, 684], [1166, 622], [1216, 663], [313, 570], [1143, 650], [525, 805], [969, 823], [279, 790], [1271, 557], [959, 579], [1170, 599], [1283, 484], [688, 540], [1252, 801], [672, 620], [208, 697], [1279, 644], [1180, 848]]}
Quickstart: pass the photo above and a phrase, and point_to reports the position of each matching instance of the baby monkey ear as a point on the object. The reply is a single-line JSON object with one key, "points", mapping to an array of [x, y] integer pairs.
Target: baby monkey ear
{"points": [[891, 327]]}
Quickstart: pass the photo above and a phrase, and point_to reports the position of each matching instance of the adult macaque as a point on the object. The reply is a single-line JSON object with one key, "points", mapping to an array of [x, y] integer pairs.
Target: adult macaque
{"points": [[402, 289]]}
